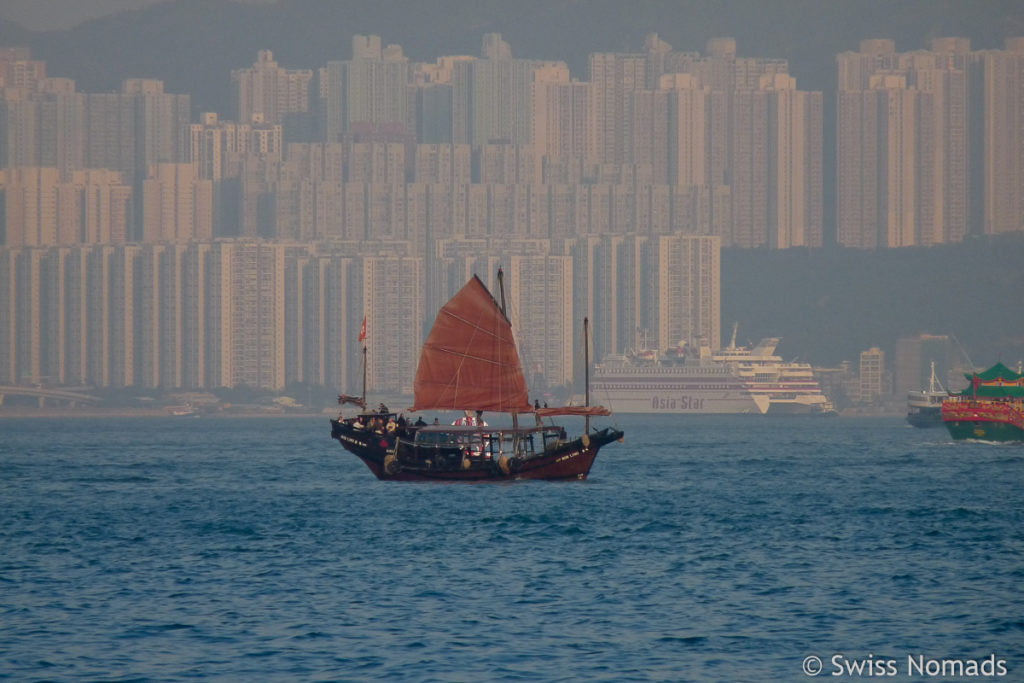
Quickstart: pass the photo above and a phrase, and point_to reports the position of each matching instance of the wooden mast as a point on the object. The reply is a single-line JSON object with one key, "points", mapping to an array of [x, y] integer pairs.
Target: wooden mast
{"points": [[586, 373], [504, 312]]}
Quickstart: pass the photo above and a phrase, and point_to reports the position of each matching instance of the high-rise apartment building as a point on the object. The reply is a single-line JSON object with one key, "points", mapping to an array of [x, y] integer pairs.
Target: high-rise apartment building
{"points": [[795, 212], [720, 126], [9, 368], [30, 206], [689, 291], [374, 87], [243, 318], [636, 283], [647, 139], [903, 145], [94, 208], [564, 129], [196, 324], [42, 207], [99, 315], [540, 297], [269, 91], [872, 378], [689, 105], [130, 130], [392, 302], [177, 206], [66, 324], [216, 146], [221, 151], [493, 96], [615, 76], [442, 164], [1003, 130], [19, 70], [375, 162], [42, 125]]}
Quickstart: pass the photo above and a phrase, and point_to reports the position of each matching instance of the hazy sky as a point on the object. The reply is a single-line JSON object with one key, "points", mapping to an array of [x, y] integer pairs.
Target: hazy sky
{"points": [[45, 15]]}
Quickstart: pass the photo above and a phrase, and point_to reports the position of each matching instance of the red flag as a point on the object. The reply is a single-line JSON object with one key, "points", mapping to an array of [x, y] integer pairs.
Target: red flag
{"points": [[362, 330]]}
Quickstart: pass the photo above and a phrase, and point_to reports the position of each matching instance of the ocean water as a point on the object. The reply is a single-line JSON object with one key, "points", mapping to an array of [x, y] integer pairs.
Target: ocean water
{"points": [[702, 549]]}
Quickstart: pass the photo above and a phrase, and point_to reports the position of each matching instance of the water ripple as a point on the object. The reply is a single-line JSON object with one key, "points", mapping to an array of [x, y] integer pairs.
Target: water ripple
{"points": [[717, 549]]}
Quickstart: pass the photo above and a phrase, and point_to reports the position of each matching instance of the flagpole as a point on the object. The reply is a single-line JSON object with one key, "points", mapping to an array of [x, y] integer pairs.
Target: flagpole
{"points": [[362, 340]]}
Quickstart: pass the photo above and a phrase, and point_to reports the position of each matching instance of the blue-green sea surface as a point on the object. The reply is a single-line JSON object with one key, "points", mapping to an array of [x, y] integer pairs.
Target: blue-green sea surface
{"points": [[702, 549]]}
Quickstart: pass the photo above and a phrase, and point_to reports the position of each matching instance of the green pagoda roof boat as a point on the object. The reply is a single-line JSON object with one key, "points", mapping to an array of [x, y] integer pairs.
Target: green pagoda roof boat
{"points": [[991, 408]]}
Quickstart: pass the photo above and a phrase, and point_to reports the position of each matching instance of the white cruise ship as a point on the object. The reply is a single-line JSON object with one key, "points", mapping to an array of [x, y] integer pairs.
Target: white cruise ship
{"points": [[648, 382], [789, 386], [733, 380]]}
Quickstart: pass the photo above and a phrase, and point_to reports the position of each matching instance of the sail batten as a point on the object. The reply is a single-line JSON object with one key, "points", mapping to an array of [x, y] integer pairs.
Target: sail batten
{"points": [[470, 361]]}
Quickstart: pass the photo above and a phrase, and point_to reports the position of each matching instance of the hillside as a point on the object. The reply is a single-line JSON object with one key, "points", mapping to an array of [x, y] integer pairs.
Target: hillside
{"points": [[829, 305]]}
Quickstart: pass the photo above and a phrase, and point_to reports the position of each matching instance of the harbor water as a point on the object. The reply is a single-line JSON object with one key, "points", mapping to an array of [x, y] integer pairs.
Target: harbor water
{"points": [[725, 548]]}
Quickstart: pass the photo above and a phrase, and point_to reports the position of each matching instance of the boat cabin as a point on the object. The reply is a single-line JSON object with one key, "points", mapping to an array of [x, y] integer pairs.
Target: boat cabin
{"points": [[488, 442]]}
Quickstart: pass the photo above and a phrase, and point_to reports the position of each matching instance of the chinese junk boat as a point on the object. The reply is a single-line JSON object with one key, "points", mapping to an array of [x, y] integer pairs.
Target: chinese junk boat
{"points": [[469, 362], [990, 409]]}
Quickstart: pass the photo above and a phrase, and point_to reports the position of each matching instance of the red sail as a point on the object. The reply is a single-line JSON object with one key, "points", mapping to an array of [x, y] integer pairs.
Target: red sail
{"points": [[469, 361]]}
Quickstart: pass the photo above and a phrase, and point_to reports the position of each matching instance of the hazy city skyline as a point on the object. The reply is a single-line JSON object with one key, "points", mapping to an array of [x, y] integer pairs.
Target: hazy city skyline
{"points": [[655, 118], [636, 145]]}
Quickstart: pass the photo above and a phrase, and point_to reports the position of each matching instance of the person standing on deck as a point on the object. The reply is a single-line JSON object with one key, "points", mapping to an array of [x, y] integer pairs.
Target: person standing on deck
{"points": [[465, 421]]}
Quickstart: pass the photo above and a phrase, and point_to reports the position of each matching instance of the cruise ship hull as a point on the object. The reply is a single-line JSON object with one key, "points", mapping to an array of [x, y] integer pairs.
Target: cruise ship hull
{"points": [[647, 395], [735, 380]]}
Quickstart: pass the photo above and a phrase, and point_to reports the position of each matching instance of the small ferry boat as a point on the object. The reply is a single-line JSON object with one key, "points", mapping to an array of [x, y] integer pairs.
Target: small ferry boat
{"points": [[924, 406], [991, 408]]}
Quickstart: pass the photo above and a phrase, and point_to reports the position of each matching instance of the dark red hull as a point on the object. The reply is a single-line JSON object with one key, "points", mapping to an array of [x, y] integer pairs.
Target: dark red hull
{"points": [[400, 462]]}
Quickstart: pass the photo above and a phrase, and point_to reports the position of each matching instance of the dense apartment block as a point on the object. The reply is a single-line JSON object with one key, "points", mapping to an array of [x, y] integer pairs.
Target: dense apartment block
{"points": [[268, 92], [370, 88], [656, 133], [1003, 129], [177, 206], [43, 206], [245, 312], [689, 291], [929, 143]]}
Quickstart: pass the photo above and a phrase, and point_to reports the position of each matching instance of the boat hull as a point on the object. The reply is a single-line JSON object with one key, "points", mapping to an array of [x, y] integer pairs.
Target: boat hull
{"points": [[984, 431], [380, 453], [801, 405], [984, 420], [925, 417]]}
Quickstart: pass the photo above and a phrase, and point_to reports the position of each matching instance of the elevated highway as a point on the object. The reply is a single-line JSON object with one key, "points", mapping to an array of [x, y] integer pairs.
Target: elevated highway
{"points": [[49, 396]]}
